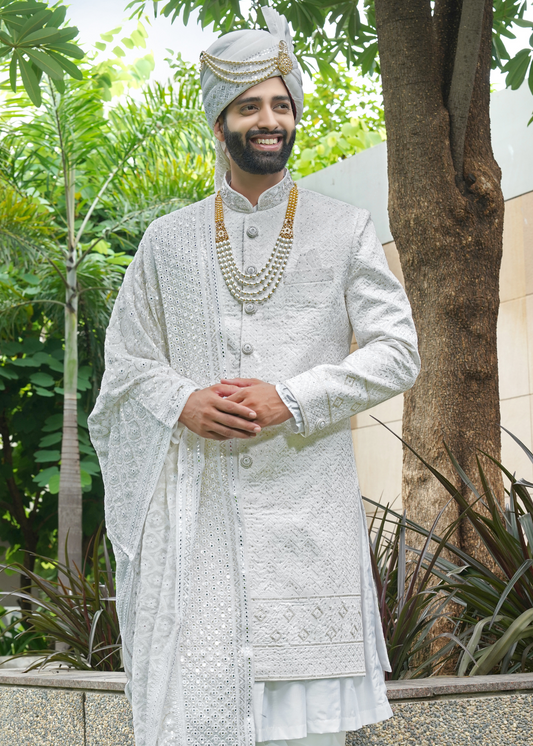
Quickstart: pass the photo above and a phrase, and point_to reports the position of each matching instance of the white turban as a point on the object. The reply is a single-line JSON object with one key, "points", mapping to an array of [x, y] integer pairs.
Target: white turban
{"points": [[241, 59]]}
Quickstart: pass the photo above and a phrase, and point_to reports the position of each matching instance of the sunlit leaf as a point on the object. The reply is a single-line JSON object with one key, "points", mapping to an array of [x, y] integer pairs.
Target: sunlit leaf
{"points": [[29, 80], [46, 63]]}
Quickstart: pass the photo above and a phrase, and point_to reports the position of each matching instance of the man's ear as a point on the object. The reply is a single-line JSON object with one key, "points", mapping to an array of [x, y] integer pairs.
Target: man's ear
{"points": [[218, 129]]}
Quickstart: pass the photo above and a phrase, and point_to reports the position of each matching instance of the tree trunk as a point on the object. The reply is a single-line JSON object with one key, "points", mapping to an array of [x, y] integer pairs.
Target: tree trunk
{"points": [[448, 229], [70, 494]]}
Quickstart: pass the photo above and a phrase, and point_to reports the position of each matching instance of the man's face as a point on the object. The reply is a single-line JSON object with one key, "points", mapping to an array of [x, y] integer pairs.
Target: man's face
{"points": [[259, 128]]}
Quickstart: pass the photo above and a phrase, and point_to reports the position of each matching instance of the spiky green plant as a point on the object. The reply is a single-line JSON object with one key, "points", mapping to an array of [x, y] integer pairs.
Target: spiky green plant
{"points": [[410, 602], [494, 630], [75, 610]]}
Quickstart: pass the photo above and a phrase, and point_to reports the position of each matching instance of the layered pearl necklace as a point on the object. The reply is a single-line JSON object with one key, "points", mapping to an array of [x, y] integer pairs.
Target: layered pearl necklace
{"points": [[258, 287]]}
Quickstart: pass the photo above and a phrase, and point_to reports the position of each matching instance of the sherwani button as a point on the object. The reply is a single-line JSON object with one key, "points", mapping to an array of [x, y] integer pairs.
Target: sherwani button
{"points": [[246, 461], [251, 270], [321, 424], [252, 232], [250, 307], [247, 348]]}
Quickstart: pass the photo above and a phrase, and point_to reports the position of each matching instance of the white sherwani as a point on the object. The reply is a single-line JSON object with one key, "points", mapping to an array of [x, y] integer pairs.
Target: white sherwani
{"points": [[245, 563]]}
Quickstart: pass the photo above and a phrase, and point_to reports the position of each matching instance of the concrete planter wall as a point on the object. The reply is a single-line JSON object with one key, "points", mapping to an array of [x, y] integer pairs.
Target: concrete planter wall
{"points": [[72, 708], [64, 708]]}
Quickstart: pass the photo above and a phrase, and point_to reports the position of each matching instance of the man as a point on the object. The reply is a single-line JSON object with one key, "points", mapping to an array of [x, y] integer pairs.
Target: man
{"points": [[244, 586]]}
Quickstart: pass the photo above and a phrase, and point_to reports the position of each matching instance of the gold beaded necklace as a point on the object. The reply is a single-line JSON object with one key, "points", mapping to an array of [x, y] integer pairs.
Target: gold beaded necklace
{"points": [[258, 287]]}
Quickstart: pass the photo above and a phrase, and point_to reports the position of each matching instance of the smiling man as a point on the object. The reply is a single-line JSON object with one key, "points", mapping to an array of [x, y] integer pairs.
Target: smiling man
{"points": [[244, 588]]}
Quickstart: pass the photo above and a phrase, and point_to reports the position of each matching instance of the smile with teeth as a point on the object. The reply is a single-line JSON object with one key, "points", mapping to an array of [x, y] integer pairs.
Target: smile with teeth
{"points": [[271, 142]]}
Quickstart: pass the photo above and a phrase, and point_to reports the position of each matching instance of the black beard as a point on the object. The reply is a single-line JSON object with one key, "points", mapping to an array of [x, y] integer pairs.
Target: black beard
{"points": [[254, 161]]}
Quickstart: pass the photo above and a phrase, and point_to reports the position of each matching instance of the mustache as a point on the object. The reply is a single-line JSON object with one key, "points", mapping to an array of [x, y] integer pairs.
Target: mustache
{"points": [[266, 133]]}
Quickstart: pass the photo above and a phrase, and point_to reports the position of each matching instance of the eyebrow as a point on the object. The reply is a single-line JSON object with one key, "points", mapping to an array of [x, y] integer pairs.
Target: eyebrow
{"points": [[256, 99]]}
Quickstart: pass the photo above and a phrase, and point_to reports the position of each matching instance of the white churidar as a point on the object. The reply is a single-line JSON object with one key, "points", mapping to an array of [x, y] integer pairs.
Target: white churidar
{"points": [[245, 561]]}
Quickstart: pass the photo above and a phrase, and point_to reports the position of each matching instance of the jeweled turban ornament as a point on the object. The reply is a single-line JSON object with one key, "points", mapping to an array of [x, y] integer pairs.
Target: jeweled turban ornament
{"points": [[255, 70]]}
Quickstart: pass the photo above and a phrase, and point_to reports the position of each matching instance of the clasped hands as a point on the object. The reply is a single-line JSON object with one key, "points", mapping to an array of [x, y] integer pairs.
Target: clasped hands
{"points": [[235, 408]]}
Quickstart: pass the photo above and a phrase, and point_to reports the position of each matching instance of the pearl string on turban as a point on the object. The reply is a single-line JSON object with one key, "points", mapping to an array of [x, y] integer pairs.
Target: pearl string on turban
{"points": [[241, 59]]}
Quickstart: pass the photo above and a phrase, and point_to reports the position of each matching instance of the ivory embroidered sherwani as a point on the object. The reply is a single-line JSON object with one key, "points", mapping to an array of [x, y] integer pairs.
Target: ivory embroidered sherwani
{"points": [[244, 563]]}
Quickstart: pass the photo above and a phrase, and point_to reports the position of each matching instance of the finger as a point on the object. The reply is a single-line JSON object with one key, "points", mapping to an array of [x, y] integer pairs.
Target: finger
{"points": [[237, 423], [241, 382], [228, 432], [238, 397], [236, 408], [225, 390], [214, 436]]}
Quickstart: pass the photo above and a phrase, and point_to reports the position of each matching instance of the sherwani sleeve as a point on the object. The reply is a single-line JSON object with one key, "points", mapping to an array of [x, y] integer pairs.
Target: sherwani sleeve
{"points": [[386, 362], [140, 400]]}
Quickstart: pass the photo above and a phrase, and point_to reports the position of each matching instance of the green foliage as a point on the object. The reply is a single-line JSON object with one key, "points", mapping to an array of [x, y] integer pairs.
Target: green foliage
{"points": [[409, 600], [76, 610], [32, 37], [142, 157], [323, 31], [24, 220], [16, 637], [494, 631], [112, 75], [497, 622], [317, 44], [518, 66], [506, 14], [342, 116], [31, 418], [116, 166]]}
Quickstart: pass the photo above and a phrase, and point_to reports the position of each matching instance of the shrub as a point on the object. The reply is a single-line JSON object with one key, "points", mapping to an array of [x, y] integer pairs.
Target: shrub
{"points": [[411, 602], [495, 628], [16, 637], [76, 611]]}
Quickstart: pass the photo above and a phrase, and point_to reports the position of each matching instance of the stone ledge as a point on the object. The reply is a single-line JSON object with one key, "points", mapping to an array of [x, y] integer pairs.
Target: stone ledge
{"points": [[453, 686], [63, 678], [432, 688]]}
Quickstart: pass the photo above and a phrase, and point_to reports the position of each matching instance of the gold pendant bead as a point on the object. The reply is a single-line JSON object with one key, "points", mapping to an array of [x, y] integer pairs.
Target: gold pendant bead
{"points": [[259, 286]]}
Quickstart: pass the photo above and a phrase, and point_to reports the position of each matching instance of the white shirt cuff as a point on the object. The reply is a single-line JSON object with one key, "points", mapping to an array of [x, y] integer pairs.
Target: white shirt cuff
{"points": [[292, 405]]}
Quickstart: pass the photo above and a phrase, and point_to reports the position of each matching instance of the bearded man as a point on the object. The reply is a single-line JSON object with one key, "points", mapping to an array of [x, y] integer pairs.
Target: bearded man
{"points": [[244, 587]]}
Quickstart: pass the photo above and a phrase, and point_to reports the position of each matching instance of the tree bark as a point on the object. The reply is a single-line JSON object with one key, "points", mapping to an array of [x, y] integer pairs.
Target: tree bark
{"points": [[448, 228]]}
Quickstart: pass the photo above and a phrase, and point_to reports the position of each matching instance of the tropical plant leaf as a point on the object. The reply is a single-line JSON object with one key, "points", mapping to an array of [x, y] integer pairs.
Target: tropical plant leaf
{"points": [[29, 80], [46, 63]]}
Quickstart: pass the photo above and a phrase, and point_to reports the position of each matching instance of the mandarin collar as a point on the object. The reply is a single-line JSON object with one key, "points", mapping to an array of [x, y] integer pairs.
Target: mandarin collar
{"points": [[271, 198]]}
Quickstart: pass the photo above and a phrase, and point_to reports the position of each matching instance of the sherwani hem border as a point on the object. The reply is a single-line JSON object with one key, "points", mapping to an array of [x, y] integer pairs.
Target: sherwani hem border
{"points": [[337, 658]]}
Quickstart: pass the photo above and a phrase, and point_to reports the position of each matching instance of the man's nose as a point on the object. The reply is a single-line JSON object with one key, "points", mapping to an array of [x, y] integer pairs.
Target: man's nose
{"points": [[267, 119]]}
